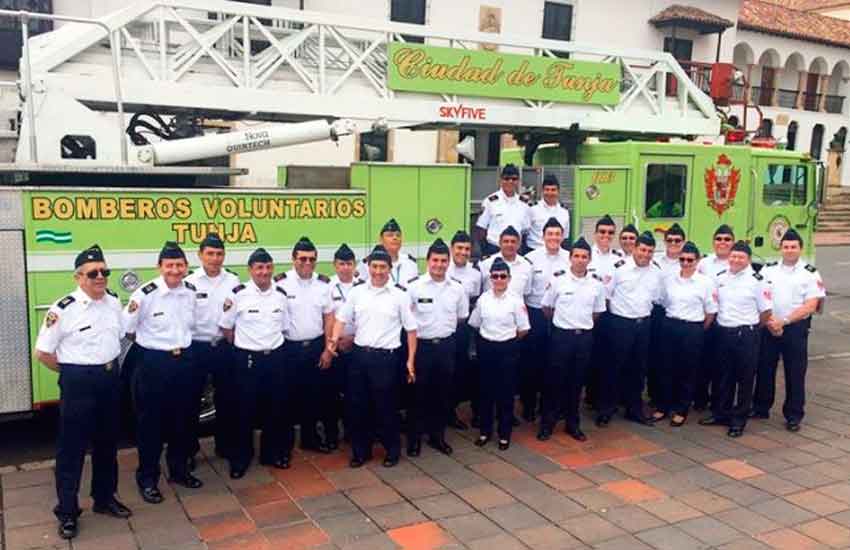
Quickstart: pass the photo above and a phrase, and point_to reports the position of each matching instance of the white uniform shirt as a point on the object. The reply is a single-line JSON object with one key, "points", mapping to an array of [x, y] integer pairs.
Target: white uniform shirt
{"points": [[402, 270], [633, 289], [308, 301], [669, 266], [540, 214], [499, 212], [688, 299], [602, 263], [792, 285], [712, 266], [499, 318], [162, 318], [211, 292], [469, 276], [438, 306], [338, 294], [741, 297], [82, 331], [257, 317], [544, 266], [575, 300], [378, 314], [520, 274]]}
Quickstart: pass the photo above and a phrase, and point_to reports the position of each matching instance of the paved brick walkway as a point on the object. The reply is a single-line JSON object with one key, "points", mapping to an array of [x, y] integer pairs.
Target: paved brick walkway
{"points": [[629, 487]]}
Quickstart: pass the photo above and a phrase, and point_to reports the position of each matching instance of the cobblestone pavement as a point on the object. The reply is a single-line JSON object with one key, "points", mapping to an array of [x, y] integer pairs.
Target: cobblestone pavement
{"points": [[629, 487]]}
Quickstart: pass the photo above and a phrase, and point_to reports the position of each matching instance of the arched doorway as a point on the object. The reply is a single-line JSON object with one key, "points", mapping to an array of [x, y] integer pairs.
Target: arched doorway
{"points": [[817, 141], [791, 136]]}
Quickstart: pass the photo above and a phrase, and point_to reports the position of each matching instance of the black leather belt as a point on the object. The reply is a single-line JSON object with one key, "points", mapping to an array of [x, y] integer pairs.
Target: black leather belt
{"points": [[108, 366], [573, 331], [435, 341], [368, 349], [304, 343], [738, 328]]}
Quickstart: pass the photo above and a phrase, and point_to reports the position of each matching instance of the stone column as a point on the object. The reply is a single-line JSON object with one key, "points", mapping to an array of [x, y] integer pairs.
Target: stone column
{"points": [[774, 96], [823, 88], [801, 89]]}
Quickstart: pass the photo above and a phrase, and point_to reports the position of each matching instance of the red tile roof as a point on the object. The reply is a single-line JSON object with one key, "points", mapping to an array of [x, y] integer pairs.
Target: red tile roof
{"points": [[770, 18], [810, 5], [690, 15]]}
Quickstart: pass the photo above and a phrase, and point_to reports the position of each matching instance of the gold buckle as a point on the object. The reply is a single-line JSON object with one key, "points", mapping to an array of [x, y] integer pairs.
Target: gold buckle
{"points": [[177, 352], [108, 366]]}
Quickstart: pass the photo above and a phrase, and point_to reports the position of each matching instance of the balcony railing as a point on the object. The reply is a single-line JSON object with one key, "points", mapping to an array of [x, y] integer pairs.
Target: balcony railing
{"points": [[811, 102], [786, 98], [835, 104]]}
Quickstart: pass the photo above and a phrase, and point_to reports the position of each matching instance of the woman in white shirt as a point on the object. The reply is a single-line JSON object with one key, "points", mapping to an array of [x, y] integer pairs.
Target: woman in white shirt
{"points": [[501, 320]]}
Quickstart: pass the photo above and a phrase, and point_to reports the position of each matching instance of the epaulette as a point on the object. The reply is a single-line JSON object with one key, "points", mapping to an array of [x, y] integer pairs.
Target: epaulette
{"points": [[111, 292], [563, 205], [526, 259], [656, 264], [475, 266], [401, 287], [559, 273], [231, 271], [190, 272], [359, 282], [412, 279], [532, 203], [412, 259], [597, 277], [758, 276], [493, 197], [523, 198], [621, 263], [280, 290], [771, 264], [810, 268], [721, 272], [616, 252], [148, 288], [189, 285], [324, 278], [485, 258], [280, 276], [456, 280], [65, 302], [238, 288]]}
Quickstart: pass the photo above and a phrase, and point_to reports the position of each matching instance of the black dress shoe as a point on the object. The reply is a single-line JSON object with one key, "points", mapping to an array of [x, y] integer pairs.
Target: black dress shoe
{"points": [[504, 444], [188, 480], [237, 473], [112, 508], [792, 426], [68, 528], [333, 445], [151, 495], [735, 431], [482, 440], [440, 445], [320, 448], [759, 414], [390, 461], [603, 420], [356, 462], [639, 419], [576, 434], [458, 424], [544, 434], [414, 448], [281, 463], [713, 421]]}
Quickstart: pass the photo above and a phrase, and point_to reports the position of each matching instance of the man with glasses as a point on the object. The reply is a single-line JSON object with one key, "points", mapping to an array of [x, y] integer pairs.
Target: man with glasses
{"points": [[502, 209], [521, 269], [81, 340], [708, 376], [628, 239], [546, 209], [310, 322]]}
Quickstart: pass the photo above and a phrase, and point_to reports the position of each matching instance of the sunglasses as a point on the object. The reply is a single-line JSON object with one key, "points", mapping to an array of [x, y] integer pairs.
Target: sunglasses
{"points": [[95, 272], [674, 240], [499, 276], [605, 231], [628, 238], [723, 239], [687, 260], [306, 259]]}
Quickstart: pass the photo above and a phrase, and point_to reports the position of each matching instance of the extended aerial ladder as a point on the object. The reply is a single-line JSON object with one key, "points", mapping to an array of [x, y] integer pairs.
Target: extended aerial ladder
{"points": [[229, 60]]}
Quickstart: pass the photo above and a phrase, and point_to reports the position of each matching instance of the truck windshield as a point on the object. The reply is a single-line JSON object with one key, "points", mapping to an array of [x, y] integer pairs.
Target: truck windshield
{"points": [[784, 184]]}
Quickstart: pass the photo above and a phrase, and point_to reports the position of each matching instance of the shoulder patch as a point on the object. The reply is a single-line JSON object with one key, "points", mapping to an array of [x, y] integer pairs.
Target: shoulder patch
{"points": [[111, 292], [65, 302], [758, 276], [359, 282], [621, 263], [810, 268], [189, 285], [238, 288], [771, 264], [616, 252], [721, 272], [412, 279], [411, 258], [280, 276], [401, 287], [324, 278], [148, 288], [597, 277], [493, 197], [280, 290]]}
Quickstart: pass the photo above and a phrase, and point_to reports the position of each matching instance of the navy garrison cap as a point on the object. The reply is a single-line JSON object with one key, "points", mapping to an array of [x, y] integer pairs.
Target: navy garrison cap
{"points": [[510, 170], [380, 254], [582, 244], [391, 225], [438, 247], [509, 231], [605, 220], [90, 254], [212, 240], [646, 238], [304, 244], [552, 222], [171, 251], [499, 265], [260, 256], [630, 228], [792, 235], [675, 229], [690, 248], [724, 230], [344, 254], [742, 246], [550, 179], [461, 237]]}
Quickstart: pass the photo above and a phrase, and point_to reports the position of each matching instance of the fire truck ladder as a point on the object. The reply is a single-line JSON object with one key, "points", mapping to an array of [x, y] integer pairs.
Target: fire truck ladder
{"points": [[233, 60]]}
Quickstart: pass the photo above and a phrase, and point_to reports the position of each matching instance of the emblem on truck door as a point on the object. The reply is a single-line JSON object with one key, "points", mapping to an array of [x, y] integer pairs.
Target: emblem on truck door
{"points": [[721, 184]]}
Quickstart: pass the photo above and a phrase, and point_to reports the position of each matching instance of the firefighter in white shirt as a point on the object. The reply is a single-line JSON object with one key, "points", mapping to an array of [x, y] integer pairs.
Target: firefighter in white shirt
{"points": [[81, 339], [254, 319], [798, 291], [378, 310], [160, 317], [509, 245], [339, 288], [501, 320], [404, 267], [501, 209], [310, 323], [440, 305], [545, 209], [546, 261], [628, 240], [744, 303], [212, 353], [574, 300], [689, 304]]}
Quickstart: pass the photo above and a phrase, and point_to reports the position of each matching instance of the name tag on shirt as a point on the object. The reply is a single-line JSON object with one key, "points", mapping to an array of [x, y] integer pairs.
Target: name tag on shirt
{"points": [[158, 313], [201, 295], [425, 300], [85, 328]]}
